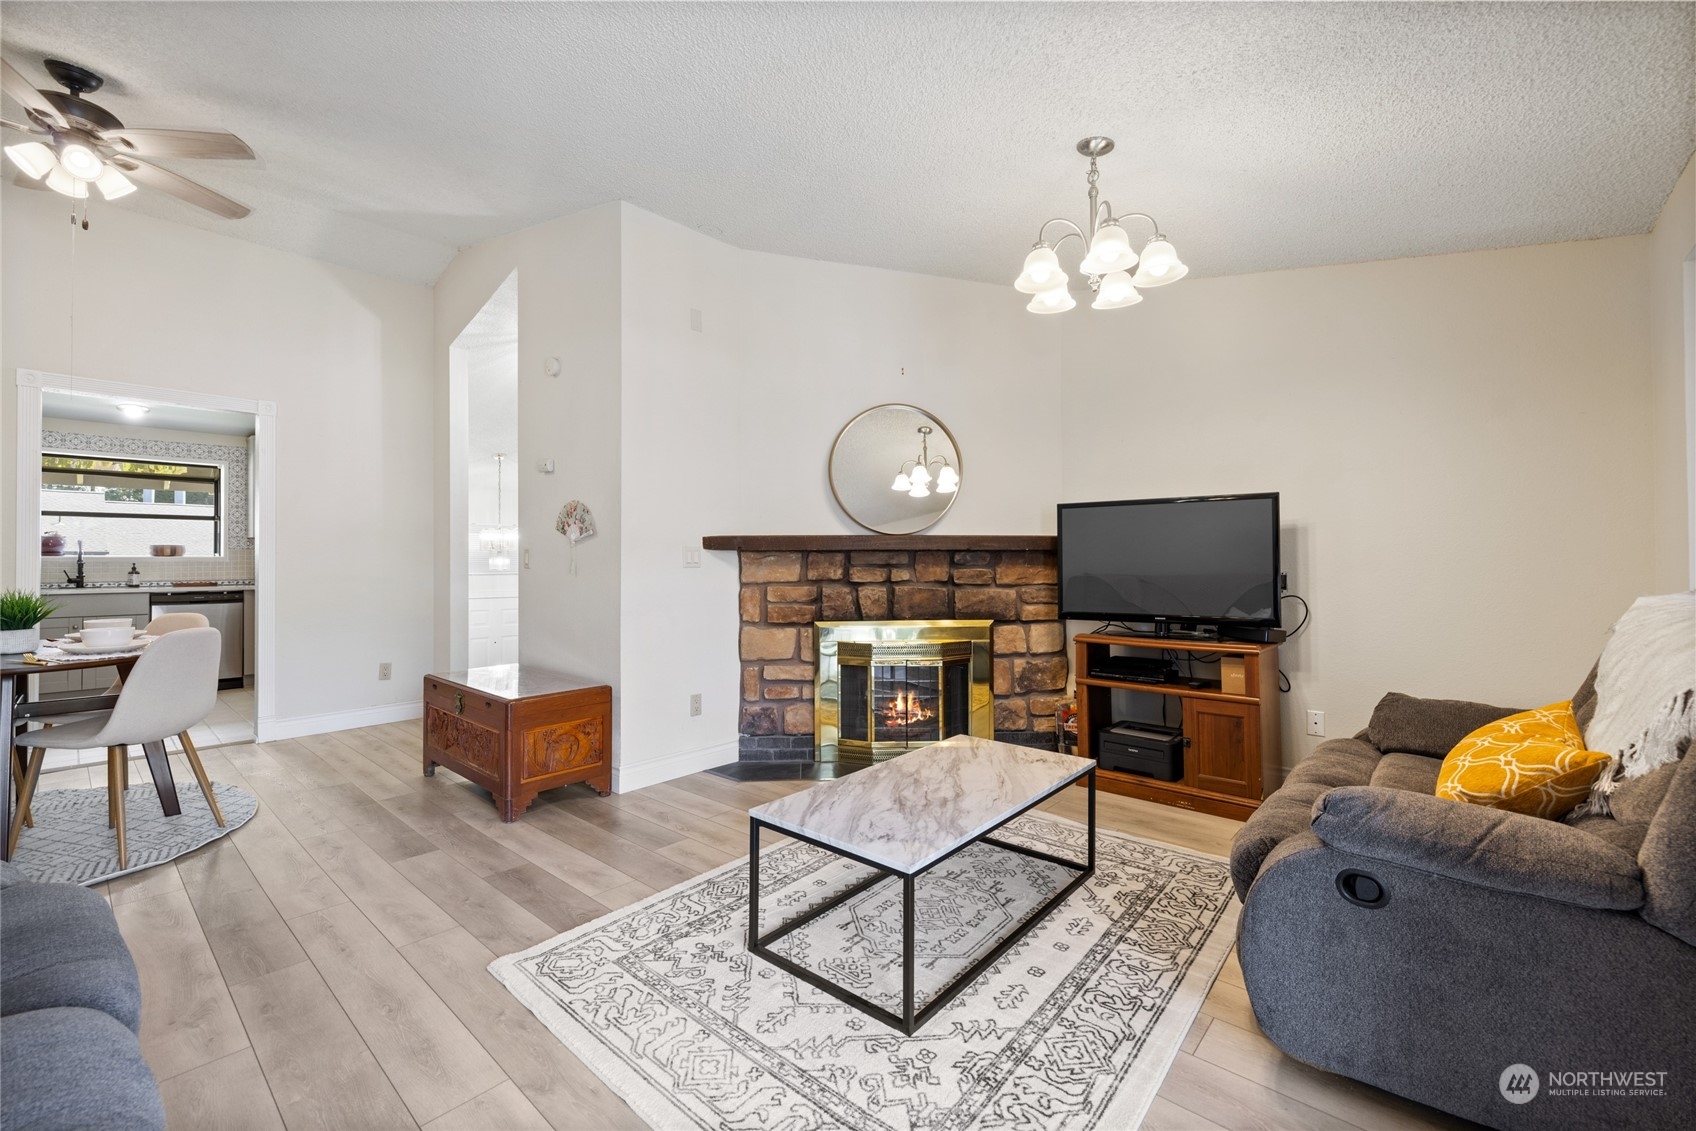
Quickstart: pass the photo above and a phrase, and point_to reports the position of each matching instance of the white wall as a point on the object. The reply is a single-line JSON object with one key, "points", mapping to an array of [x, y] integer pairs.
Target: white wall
{"points": [[1460, 442], [568, 307], [345, 357], [728, 431], [1672, 356]]}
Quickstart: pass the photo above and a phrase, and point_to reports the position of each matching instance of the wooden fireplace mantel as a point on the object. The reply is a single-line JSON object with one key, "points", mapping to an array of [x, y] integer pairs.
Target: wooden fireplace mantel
{"points": [[758, 543]]}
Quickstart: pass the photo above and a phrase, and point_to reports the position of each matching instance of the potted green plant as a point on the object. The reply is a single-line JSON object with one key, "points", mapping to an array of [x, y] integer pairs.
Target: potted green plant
{"points": [[21, 614]]}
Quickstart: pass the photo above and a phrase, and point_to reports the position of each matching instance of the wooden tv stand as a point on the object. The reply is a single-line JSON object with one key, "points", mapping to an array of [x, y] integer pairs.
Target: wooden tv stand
{"points": [[1233, 747]]}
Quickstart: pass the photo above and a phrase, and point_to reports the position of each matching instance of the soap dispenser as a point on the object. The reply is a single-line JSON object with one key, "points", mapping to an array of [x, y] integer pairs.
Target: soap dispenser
{"points": [[134, 576]]}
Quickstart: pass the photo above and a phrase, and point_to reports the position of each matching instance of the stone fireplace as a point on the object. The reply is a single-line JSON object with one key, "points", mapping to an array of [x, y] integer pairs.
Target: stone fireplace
{"points": [[791, 583], [885, 687]]}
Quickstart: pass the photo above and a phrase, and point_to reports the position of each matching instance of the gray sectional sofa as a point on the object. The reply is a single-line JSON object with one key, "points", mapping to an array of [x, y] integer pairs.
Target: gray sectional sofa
{"points": [[1427, 946], [70, 1012]]}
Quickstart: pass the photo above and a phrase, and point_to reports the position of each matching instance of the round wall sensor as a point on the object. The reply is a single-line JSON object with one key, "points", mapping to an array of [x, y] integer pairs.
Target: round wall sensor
{"points": [[551, 367]]}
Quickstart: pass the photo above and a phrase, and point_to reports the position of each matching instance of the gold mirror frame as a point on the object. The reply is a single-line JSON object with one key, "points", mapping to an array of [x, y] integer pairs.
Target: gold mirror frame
{"points": [[837, 489]]}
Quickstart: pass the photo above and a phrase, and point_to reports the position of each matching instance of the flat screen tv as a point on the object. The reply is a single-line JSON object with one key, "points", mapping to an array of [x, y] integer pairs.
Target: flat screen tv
{"points": [[1171, 562]]}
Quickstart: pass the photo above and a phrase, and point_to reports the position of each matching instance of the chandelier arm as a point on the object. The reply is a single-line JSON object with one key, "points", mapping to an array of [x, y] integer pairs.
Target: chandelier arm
{"points": [[1151, 221], [1041, 235]]}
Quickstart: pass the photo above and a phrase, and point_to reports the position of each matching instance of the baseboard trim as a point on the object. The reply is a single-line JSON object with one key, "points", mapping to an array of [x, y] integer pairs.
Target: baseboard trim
{"points": [[299, 726], [681, 764]]}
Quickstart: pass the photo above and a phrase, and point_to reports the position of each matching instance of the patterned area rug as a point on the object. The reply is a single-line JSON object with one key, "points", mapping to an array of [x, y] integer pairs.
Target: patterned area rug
{"points": [[1074, 1028], [72, 844]]}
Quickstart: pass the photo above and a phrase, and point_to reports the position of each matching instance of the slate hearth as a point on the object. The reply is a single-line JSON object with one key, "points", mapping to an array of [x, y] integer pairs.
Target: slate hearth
{"points": [[790, 582]]}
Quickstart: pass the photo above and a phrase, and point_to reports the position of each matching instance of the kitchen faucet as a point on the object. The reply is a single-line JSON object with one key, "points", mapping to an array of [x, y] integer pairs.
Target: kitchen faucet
{"points": [[80, 581]]}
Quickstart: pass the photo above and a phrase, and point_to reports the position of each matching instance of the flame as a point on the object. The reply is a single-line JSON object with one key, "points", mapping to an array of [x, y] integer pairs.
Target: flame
{"points": [[905, 709]]}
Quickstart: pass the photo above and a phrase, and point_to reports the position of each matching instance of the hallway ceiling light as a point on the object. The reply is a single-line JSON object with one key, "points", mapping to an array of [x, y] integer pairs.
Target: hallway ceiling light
{"points": [[915, 477], [1108, 254], [500, 538]]}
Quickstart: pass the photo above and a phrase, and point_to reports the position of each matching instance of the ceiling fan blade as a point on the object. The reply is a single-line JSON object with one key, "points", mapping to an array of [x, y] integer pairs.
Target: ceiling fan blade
{"points": [[28, 97], [180, 187], [22, 181], [179, 143], [21, 127]]}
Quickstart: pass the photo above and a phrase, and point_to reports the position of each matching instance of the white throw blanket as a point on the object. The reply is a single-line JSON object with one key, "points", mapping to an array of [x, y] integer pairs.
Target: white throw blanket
{"points": [[1645, 691]]}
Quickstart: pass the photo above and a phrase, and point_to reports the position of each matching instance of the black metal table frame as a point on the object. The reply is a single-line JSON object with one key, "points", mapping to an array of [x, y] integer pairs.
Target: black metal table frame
{"points": [[909, 1020]]}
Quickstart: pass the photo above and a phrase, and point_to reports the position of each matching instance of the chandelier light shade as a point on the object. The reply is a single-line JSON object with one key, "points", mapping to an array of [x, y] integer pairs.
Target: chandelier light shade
{"points": [[1042, 271], [1055, 301], [915, 476], [1116, 291], [1108, 256], [1160, 265], [1109, 251]]}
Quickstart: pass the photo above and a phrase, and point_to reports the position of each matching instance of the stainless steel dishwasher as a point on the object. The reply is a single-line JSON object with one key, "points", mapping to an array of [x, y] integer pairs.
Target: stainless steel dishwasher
{"points": [[223, 611]]}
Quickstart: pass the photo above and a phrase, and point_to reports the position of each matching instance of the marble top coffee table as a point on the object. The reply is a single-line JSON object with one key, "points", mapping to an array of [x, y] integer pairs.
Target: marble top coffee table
{"points": [[902, 818]]}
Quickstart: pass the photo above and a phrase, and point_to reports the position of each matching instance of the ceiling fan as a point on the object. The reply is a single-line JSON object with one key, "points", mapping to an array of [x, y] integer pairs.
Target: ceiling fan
{"points": [[77, 144]]}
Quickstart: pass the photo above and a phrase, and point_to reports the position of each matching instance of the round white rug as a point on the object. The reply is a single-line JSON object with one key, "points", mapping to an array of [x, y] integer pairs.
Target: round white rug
{"points": [[72, 844]]}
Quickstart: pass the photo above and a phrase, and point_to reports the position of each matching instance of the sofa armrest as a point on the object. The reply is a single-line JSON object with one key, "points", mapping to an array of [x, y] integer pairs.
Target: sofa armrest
{"points": [[1473, 844], [1406, 724]]}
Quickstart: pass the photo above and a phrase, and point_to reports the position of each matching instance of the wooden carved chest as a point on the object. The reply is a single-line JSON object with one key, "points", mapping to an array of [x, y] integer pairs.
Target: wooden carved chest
{"points": [[516, 730]]}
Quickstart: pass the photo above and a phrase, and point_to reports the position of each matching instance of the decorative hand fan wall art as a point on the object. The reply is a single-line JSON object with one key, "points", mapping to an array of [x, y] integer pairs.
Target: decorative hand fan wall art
{"points": [[576, 522]]}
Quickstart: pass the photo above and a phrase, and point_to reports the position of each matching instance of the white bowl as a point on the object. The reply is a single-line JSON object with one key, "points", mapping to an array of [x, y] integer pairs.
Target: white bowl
{"points": [[110, 637], [109, 622]]}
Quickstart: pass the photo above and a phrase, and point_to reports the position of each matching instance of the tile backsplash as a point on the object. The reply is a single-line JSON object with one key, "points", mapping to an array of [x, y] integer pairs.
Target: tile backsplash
{"points": [[237, 565]]}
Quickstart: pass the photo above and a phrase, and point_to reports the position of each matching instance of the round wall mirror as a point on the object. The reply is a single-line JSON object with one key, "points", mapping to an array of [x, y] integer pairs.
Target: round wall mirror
{"points": [[895, 469]]}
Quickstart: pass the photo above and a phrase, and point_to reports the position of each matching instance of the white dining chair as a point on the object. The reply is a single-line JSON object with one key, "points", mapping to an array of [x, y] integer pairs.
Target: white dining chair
{"points": [[173, 686], [158, 626]]}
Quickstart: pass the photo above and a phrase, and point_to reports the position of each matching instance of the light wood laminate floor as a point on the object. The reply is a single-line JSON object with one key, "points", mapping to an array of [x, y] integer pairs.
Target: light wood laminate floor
{"points": [[323, 966]]}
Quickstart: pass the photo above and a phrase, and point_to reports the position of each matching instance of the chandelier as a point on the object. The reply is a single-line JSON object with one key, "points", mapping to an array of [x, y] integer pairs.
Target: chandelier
{"points": [[1108, 256], [498, 539], [915, 481]]}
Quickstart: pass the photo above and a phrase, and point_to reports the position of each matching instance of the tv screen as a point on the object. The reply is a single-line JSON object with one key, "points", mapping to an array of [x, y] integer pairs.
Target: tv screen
{"points": [[1194, 561]]}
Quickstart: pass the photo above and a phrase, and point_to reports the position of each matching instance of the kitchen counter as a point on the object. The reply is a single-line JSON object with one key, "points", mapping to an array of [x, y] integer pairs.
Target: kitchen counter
{"points": [[63, 590]]}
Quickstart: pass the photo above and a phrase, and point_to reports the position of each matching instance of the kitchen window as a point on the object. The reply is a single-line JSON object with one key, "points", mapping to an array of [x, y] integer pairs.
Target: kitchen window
{"points": [[124, 507]]}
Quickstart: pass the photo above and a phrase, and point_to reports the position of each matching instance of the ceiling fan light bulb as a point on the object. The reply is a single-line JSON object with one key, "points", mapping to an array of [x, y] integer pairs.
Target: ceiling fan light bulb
{"points": [[80, 161], [64, 184], [113, 184], [1042, 271], [32, 158]]}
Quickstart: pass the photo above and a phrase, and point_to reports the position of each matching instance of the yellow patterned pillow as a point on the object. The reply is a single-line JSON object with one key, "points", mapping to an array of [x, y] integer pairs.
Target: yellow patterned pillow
{"points": [[1533, 762]]}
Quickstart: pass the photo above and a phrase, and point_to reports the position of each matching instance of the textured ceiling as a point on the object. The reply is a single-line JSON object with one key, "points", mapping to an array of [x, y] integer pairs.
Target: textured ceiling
{"points": [[922, 137]]}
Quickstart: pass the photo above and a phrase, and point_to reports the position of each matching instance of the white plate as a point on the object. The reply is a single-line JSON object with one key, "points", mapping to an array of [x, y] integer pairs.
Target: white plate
{"points": [[77, 648], [78, 635]]}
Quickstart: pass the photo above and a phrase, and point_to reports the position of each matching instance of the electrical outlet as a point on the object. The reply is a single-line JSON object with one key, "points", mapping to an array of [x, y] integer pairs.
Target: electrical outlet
{"points": [[691, 557], [526, 559], [385, 671], [1316, 723], [694, 704]]}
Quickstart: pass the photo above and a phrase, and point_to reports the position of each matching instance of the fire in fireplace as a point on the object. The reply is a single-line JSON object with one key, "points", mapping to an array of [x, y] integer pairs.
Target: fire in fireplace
{"points": [[886, 687]]}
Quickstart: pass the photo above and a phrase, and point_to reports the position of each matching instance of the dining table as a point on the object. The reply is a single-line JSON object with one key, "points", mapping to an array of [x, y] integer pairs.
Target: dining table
{"points": [[13, 684]]}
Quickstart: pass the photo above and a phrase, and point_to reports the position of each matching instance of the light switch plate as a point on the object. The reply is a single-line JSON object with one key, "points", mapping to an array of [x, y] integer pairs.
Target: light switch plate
{"points": [[691, 557]]}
